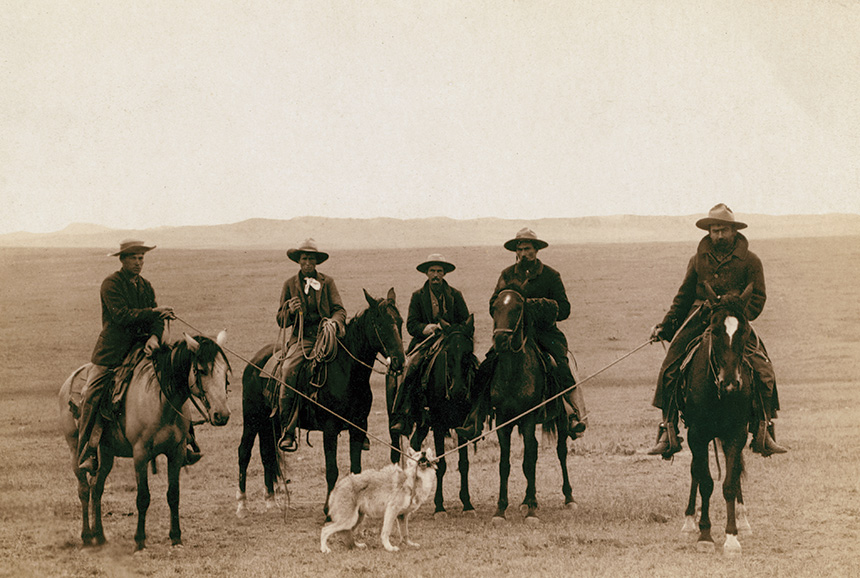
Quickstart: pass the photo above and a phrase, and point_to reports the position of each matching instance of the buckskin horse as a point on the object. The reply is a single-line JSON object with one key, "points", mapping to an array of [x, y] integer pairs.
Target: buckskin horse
{"points": [[344, 394], [519, 383], [717, 405], [448, 385], [151, 423]]}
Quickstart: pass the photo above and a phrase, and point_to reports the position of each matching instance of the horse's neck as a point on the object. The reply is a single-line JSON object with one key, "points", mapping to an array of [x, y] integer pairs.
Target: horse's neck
{"points": [[147, 389], [358, 339]]}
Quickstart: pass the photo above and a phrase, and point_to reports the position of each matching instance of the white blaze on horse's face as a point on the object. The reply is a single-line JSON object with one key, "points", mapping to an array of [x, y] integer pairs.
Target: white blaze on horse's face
{"points": [[731, 324]]}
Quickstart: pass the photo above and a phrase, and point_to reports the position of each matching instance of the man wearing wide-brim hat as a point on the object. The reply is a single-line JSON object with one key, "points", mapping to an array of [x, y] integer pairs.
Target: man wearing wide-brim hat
{"points": [[724, 261], [434, 305], [130, 316], [309, 302], [536, 281]]}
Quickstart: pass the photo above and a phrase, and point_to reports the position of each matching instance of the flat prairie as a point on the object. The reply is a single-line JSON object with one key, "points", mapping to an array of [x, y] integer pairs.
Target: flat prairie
{"points": [[804, 506]]}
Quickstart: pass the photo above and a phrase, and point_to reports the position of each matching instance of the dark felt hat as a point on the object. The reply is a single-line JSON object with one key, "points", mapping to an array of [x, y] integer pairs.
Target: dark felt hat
{"points": [[525, 234], [720, 215], [307, 246], [436, 259]]}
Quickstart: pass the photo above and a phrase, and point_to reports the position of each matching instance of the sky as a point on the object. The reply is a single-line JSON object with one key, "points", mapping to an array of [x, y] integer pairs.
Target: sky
{"points": [[163, 113]]}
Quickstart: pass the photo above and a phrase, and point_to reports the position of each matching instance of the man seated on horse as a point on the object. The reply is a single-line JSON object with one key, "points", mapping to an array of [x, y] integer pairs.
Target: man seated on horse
{"points": [[434, 305], [536, 281], [130, 316], [723, 260], [311, 305]]}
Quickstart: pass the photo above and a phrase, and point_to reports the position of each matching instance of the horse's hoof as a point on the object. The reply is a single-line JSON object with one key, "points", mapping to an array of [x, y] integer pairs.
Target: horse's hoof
{"points": [[499, 521], [470, 513], [570, 504], [690, 525], [242, 510], [744, 528], [532, 520], [705, 547], [440, 515], [731, 547]]}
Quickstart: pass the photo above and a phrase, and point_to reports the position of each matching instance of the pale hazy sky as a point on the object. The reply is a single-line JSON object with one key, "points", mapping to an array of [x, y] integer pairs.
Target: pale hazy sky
{"points": [[139, 114]]}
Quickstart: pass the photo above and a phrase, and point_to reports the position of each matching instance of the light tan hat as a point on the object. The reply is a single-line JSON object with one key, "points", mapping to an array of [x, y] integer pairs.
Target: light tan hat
{"points": [[131, 246], [720, 215], [436, 259], [307, 246], [525, 234]]}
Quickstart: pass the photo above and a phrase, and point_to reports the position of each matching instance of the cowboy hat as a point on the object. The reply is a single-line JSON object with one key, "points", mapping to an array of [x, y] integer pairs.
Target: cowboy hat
{"points": [[525, 234], [720, 215], [307, 246], [129, 246], [436, 259]]}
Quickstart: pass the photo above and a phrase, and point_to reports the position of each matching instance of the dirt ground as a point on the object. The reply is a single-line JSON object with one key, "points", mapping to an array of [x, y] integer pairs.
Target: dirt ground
{"points": [[804, 506]]}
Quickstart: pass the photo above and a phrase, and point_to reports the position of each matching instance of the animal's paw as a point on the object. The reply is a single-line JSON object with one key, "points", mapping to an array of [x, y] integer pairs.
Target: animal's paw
{"points": [[325, 549], [391, 548], [360, 545], [412, 544]]}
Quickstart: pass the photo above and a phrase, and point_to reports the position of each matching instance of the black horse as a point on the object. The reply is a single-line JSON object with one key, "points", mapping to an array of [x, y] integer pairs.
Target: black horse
{"points": [[345, 394], [519, 383], [449, 380], [717, 405]]}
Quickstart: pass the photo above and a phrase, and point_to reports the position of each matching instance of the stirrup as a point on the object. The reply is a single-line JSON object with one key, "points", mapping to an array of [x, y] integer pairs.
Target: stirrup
{"points": [[288, 442]]}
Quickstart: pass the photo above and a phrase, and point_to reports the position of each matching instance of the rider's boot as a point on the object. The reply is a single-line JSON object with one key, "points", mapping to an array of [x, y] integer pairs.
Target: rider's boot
{"points": [[287, 441], [474, 423], [763, 440], [192, 451], [668, 441]]}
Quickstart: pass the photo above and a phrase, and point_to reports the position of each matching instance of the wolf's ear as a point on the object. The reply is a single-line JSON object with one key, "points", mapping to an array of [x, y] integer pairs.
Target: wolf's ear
{"points": [[430, 454]]}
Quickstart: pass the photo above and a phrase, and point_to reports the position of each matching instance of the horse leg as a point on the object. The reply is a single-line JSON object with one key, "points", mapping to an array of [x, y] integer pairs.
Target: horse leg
{"points": [[330, 451], [84, 497], [174, 465], [96, 491], [744, 528], [701, 473], [140, 464], [356, 445], [441, 468], [504, 436], [734, 467], [269, 456], [690, 512], [530, 456], [561, 451], [246, 445], [463, 466]]}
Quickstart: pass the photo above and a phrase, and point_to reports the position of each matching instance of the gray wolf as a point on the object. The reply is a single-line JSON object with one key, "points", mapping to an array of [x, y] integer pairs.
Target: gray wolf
{"points": [[392, 493]]}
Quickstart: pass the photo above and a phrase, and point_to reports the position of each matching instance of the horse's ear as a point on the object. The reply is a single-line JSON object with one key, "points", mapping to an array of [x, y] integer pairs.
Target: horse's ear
{"points": [[222, 338], [193, 345], [370, 300], [709, 291], [747, 292], [391, 296]]}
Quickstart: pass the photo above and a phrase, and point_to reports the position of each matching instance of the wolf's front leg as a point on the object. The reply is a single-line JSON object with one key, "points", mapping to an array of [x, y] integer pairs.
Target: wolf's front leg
{"points": [[387, 525], [405, 536]]}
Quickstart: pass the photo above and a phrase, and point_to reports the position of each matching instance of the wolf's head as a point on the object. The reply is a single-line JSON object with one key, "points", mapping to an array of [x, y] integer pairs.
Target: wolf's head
{"points": [[420, 464]]}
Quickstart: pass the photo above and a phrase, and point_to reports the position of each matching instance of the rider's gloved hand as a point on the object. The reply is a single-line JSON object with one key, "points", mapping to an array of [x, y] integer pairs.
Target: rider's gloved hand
{"points": [[431, 328]]}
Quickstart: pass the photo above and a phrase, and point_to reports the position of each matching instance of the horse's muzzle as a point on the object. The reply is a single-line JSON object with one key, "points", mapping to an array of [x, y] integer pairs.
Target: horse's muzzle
{"points": [[220, 418]]}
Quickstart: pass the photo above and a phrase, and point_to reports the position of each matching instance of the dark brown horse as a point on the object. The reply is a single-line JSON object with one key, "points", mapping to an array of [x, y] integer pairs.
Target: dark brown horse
{"points": [[152, 423], [717, 405], [519, 383], [448, 398], [345, 394]]}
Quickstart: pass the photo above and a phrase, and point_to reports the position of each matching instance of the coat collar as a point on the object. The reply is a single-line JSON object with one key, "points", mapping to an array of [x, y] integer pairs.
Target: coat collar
{"points": [[740, 251]]}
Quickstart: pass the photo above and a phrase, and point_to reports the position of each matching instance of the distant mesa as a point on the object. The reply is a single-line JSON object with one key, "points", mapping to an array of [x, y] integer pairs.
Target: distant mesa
{"points": [[435, 232]]}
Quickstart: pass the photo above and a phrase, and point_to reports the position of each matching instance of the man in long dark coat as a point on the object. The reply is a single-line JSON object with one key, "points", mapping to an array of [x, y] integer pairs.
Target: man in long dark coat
{"points": [[723, 260], [309, 301], [434, 304], [130, 316], [536, 281]]}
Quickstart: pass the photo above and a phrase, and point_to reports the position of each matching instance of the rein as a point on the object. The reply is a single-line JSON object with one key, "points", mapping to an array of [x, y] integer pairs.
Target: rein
{"points": [[517, 326]]}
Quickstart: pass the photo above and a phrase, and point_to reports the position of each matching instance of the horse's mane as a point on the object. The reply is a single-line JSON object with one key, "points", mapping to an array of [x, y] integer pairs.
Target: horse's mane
{"points": [[359, 319], [172, 362]]}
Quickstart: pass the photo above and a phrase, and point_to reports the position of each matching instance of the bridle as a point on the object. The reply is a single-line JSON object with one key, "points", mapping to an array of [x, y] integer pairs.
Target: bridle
{"points": [[517, 325]]}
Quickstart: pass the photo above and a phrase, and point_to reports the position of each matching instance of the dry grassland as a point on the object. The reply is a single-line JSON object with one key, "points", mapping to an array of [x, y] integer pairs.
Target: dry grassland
{"points": [[804, 506]]}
